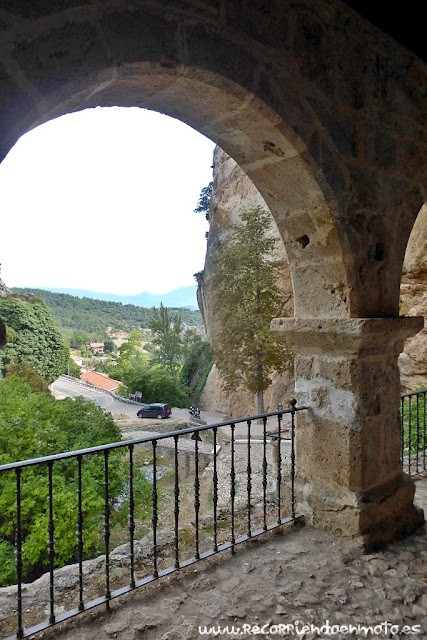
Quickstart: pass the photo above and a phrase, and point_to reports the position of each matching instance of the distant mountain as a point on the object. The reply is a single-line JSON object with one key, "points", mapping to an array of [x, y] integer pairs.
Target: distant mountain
{"points": [[182, 297]]}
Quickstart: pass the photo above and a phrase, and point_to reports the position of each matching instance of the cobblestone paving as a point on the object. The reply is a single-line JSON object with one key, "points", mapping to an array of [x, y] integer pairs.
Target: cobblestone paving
{"points": [[300, 575]]}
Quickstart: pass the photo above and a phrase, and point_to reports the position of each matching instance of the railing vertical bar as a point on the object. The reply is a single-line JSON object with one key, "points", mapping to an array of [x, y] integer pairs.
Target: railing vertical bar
{"points": [[293, 403], [264, 473], [51, 546], [154, 508], [176, 510], [417, 434], [279, 467], [249, 480], [107, 530], [81, 605], [232, 487], [131, 520], [20, 628], [196, 492], [413, 444], [215, 491]]}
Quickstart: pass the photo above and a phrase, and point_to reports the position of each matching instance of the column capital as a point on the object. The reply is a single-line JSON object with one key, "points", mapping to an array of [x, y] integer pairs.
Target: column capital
{"points": [[348, 335]]}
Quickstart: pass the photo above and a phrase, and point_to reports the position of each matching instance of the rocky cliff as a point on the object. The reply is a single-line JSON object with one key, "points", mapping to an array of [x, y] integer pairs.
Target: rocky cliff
{"points": [[232, 194], [413, 302], [4, 291]]}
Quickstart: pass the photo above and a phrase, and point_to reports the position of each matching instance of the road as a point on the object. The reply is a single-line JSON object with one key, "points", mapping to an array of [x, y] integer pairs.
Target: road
{"points": [[62, 387]]}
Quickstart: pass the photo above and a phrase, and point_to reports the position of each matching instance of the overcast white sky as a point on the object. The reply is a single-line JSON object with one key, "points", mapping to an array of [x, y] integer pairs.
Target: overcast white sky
{"points": [[103, 199]]}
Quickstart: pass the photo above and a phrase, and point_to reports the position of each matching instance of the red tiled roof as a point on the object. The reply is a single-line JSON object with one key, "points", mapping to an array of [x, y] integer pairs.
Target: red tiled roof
{"points": [[100, 380]]}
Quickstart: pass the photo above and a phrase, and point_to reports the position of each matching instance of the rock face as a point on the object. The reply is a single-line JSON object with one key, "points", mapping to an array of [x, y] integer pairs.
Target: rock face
{"points": [[4, 291], [413, 302], [232, 194]]}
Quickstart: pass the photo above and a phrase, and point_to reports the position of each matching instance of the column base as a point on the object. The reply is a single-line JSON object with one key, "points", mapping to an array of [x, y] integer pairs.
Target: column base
{"points": [[370, 520]]}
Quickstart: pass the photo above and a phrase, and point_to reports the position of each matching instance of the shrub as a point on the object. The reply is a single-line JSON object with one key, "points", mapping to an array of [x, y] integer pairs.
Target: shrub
{"points": [[35, 425]]}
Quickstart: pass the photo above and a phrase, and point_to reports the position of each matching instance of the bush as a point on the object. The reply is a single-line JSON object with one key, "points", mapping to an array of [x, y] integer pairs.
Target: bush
{"points": [[72, 369], [35, 425], [7, 564], [199, 361], [26, 372], [157, 384]]}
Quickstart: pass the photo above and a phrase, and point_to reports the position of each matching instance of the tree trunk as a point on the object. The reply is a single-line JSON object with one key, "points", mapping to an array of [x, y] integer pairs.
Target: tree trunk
{"points": [[260, 398]]}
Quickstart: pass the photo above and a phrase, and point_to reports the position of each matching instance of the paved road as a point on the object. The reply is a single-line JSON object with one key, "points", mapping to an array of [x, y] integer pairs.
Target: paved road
{"points": [[63, 387], [70, 389]]}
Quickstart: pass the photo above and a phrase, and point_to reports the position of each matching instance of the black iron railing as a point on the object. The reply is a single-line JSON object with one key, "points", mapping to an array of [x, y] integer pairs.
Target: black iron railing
{"points": [[251, 491], [413, 432]]}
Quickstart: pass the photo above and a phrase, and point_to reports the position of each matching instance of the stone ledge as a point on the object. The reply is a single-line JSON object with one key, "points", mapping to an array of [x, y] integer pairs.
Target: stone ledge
{"points": [[352, 335]]}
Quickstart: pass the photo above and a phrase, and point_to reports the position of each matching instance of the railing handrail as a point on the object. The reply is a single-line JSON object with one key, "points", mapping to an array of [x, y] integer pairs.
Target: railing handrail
{"points": [[413, 393], [125, 443]]}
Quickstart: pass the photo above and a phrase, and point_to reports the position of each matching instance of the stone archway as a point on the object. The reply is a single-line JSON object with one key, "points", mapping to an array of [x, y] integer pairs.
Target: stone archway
{"points": [[321, 111], [325, 115], [253, 135]]}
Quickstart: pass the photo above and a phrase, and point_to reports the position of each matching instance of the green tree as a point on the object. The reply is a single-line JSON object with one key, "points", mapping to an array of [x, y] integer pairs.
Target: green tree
{"points": [[247, 298], [167, 330], [204, 200], [132, 346], [197, 364], [79, 339], [35, 425], [109, 346], [72, 369], [33, 336], [156, 382], [26, 372]]}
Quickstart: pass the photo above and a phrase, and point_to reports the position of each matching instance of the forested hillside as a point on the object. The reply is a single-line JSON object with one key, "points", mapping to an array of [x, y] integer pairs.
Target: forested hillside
{"points": [[94, 316]]}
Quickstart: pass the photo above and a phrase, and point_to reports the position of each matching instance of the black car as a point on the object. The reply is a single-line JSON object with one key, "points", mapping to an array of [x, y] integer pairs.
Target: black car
{"points": [[156, 410]]}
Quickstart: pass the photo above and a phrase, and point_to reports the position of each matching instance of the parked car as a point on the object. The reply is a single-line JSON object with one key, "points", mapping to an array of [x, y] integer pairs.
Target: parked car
{"points": [[156, 410]]}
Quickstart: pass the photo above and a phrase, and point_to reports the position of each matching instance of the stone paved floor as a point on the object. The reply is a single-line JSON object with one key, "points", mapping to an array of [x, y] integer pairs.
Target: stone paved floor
{"points": [[299, 576]]}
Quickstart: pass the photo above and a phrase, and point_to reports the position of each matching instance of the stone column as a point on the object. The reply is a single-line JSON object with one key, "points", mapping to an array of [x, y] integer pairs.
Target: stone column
{"points": [[348, 442]]}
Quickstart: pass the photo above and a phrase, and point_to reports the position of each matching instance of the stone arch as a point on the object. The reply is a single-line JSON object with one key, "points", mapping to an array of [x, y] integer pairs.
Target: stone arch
{"points": [[253, 135], [294, 93], [325, 114]]}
